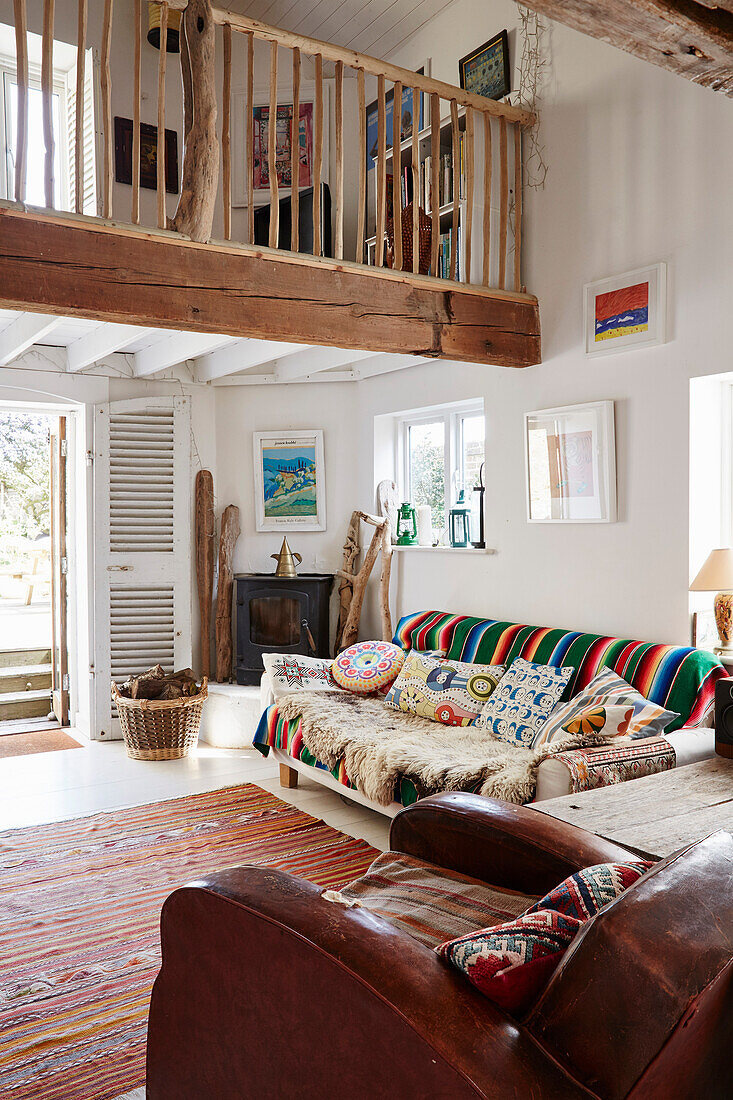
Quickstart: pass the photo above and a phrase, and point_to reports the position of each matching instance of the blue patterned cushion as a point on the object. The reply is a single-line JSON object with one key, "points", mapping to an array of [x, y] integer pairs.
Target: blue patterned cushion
{"points": [[584, 893], [523, 700]]}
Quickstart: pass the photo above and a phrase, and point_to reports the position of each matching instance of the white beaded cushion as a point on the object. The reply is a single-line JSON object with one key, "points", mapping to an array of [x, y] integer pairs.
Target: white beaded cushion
{"points": [[289, 672], [605, 690], [524, 699]]}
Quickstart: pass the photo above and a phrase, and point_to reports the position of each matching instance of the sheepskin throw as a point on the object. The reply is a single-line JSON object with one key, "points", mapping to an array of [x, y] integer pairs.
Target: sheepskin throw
{"points": [[380, 747]]}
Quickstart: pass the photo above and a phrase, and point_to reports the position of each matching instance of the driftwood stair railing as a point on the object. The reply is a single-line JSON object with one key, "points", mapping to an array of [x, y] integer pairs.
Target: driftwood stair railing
{"points": [[457, 145]]}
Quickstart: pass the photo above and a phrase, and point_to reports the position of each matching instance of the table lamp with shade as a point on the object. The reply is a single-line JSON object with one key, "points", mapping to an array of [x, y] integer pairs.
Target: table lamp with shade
{"points": [[716, 576]]}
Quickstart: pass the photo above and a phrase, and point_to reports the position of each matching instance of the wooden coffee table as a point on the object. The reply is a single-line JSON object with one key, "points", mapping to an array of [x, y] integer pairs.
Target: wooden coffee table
{"points": [[658, 814]]}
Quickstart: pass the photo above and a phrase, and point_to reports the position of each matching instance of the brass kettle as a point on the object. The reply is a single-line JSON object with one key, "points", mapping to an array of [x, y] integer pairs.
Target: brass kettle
{"points": [[286, 561]]}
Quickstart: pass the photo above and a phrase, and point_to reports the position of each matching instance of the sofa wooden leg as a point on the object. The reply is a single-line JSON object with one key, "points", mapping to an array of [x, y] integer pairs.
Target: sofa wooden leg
{"points": [[288, 776]]}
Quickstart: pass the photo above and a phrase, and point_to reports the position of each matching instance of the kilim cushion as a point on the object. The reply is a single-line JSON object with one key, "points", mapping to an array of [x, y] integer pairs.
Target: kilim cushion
{"points": [[430, 903], [526, 696], [452, 692], [583, 894], [367, 667], [289, 672], [604, 690], [511, 964]]}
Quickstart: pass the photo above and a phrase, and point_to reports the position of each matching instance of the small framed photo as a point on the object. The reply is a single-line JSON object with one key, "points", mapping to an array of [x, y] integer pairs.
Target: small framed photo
{"points": [[485, 71], [148, 155], [704, 630], [627, 311], [570, 457], [290, 485]]}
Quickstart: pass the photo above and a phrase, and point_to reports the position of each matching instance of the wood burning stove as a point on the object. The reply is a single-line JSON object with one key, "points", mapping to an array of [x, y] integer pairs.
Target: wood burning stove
{"points": [[280, 615]]}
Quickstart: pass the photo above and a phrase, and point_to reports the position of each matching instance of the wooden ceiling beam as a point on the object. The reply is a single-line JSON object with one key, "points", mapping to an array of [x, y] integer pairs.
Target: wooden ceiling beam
{"points": [[693, 39], [61, 265], [176, 349], [23, 332], [306, 364], [243, 355], [103, 340]]}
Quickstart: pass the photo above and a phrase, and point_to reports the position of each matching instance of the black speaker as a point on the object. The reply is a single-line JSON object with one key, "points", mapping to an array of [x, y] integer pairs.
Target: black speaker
{"points": [[724, 717]]}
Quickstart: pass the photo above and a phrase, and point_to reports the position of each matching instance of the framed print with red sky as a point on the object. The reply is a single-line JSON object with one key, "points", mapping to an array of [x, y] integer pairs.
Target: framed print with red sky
{"points": [[626, 312]]}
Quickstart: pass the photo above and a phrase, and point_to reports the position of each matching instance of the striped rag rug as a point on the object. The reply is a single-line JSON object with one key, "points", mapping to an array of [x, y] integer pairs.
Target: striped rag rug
{"points": [[79, 925]]}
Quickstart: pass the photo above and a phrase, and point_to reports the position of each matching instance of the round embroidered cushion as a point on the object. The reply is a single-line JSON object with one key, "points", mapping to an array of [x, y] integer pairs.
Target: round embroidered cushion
{"points": [[368, 666]]}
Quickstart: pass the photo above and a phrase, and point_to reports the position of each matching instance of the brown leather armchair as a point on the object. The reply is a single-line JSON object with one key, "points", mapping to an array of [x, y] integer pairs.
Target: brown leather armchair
{"points": [[266, 991]]}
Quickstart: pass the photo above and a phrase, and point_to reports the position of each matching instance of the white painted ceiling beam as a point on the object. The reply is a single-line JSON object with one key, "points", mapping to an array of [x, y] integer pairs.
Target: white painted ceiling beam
{"points": [[179, 347], [305, 364], [273, 380], [23, 332], [240, 356], [103, 340], [383, 364]]}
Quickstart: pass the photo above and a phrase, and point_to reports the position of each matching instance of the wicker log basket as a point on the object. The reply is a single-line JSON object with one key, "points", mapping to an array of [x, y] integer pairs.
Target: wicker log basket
{"points": [[160, 729]]}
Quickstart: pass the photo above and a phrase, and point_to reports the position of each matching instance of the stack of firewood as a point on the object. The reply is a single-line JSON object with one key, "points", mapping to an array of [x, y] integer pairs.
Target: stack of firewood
{"points": [[158, 684]]}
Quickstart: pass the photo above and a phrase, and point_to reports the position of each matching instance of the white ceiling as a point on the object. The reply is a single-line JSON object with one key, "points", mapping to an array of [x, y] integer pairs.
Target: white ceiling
{"points": [[75, 345], [376, 27]]}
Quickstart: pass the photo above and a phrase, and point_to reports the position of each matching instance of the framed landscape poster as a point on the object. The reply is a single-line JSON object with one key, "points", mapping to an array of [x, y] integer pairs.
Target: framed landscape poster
{"points": [[627, 311], [290, 487], [570, 457]]}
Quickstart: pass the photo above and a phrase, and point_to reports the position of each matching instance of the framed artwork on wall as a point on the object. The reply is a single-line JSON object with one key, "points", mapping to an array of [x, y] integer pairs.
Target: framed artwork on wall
{"points": [[704, 630], [148, 155], [485, 70], [627, 311], [256, 158], [290, 481], [570, 456]]}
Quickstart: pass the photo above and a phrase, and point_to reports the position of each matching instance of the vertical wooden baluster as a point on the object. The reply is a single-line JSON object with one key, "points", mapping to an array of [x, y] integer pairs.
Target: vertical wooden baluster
{"points": [[106, 81], [248, 106], [361, 212], [272, 151], [415, 180], [456, 176], [517, 207], [397, 173], [504, 203], [469, 190], [21, 136], [160, 154], [136, 93], [487, 199], [81, 50], [338, 217], [47, 95], [226, 133], [317, 156], [435, 179], [381, 174], [295, 156]]}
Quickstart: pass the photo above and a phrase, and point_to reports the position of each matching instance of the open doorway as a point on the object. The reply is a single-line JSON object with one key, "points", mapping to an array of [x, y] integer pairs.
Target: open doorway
{"points": [[34, 682]]}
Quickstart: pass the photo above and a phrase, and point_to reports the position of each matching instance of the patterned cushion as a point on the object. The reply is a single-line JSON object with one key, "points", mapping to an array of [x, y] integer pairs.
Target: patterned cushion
{"points": [[446, 691], [676, 677], [289, 672], [583, 894], [647, 720], [526, 696], [428, 902], [511, 964], [367, 666]]}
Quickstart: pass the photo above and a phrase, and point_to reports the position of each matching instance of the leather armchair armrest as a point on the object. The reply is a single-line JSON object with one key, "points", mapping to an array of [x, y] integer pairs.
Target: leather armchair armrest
{"points": [[514, 847], [267, 989], [604, 765]]}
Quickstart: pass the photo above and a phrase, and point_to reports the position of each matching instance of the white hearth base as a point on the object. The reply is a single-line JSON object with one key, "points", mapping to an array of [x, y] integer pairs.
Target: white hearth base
{"points": [[230, 716]]}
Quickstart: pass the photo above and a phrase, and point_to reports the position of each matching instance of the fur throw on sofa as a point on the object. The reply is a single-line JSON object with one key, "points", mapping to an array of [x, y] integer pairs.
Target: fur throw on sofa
{"points": [[380, 746]]}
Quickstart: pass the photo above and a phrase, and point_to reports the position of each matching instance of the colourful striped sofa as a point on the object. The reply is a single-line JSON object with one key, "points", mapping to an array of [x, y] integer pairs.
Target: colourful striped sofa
{"points": [[679, 678]]}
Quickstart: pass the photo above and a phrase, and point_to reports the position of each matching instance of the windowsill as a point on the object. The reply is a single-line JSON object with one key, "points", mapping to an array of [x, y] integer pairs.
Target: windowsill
{"points": [[445, 549]]}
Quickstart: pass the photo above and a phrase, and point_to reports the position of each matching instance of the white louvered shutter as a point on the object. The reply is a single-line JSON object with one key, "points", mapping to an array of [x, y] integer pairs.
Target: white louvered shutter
{"points": [[89, 138], [142, 474]]}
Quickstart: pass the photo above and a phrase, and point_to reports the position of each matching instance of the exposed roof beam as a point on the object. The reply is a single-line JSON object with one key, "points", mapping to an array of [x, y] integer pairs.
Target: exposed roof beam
{"points": [[101, 341], [176, 349], [23, 332], [304, 364], [273, 380], [693, 39], [240, 356], [383, 364]]}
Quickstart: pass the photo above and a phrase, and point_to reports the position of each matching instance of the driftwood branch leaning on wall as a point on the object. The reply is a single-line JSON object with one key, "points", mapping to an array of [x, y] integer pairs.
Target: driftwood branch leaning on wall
{"points": [[227, 541], [200, 176], [205, 553], [353, 585]]}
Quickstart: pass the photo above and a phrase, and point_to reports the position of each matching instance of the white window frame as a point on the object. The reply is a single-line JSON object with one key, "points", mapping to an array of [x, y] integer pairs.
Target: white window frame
{"points": [[8, 73], [452, 417]]}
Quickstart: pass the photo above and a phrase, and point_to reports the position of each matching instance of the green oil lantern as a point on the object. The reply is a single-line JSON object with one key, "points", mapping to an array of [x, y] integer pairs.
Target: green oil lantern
{"points": [[406, 526]]}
